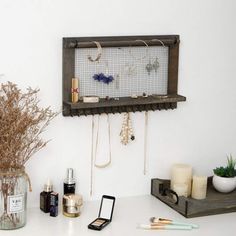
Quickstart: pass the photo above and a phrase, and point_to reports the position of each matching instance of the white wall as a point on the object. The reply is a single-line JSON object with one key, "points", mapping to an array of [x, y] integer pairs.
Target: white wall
{"points": [[200, 132]]}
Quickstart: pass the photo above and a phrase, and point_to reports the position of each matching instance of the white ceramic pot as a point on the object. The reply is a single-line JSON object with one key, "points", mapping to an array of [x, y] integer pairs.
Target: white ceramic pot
{"points": [[223, 184]]}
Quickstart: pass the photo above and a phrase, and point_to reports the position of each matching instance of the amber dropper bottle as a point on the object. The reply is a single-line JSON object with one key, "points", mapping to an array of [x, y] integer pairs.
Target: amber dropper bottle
{"points": [[45, 197], [69, 183]]}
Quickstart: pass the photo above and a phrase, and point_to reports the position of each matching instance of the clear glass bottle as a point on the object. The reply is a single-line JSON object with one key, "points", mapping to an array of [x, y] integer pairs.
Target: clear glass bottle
{"points": [[69, 183], [13, 198]]}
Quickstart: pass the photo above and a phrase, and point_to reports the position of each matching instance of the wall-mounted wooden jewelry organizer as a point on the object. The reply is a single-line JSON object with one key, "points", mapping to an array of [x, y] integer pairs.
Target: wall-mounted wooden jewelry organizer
{"points": [[126, 59]]}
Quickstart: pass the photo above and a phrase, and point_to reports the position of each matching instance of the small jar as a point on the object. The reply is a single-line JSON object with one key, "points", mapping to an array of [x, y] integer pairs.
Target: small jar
{"points": [[72, 205]]}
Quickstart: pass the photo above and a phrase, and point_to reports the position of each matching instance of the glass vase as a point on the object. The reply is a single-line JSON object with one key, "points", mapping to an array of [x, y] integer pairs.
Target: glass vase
{"points": [[13, 197]]}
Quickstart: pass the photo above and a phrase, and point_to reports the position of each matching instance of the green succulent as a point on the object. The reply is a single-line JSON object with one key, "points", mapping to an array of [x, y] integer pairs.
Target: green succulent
{"points": [[229, 171]]}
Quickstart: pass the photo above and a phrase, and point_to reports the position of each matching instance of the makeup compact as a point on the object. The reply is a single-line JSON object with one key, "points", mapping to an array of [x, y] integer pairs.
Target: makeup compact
{"points": [[105, 213]]}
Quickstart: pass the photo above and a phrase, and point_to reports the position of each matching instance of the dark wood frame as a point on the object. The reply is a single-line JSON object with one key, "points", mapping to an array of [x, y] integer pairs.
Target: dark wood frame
{"points": [[126, 104]]}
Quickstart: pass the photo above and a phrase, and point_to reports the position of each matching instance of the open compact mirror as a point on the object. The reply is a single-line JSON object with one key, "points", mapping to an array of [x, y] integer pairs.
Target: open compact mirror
{"points": [[105, 213]]}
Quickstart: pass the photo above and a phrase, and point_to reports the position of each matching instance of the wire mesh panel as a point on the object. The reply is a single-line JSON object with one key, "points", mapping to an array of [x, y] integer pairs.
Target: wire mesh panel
{"points": [[129, 68]]}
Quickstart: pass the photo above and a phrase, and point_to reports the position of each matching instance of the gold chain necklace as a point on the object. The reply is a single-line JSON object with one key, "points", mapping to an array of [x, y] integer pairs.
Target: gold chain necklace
{"points": [[96, 147], [91, 170], [145, 144], [126, 133], [94, 156]]}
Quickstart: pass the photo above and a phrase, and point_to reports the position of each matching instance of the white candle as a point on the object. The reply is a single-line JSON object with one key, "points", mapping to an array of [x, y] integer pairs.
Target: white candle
{"points": [[181, 189], [199, 188], [181, 174]]}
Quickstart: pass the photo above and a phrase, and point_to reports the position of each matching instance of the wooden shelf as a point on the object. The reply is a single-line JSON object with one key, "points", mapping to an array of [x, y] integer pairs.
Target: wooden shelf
{"points": [[124, 104]]}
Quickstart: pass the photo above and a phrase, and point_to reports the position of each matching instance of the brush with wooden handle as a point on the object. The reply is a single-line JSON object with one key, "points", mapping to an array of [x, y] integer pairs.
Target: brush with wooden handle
{"points": [[164, 227], [155, 220]]}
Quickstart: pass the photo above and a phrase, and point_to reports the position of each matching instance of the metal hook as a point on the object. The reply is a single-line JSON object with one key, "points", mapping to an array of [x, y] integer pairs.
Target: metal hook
{"points": [[140, 40], [140, 59], [159, 41]]}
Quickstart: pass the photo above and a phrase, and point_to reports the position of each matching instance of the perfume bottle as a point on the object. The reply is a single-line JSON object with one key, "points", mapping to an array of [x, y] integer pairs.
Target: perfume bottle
{"points": [[69, 183], [45, 197], [53, 204]]}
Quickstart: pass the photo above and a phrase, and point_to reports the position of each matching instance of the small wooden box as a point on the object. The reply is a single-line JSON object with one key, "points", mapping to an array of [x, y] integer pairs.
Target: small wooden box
{"points": [[214, 203]]}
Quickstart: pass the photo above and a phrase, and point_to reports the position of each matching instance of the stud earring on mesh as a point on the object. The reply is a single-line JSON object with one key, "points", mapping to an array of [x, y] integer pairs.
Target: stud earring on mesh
{"points": [[155, 65], [149, 67]]}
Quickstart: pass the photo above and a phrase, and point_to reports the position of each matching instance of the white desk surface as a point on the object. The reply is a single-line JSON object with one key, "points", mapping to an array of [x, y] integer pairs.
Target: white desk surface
{"points": [[128, 212]]}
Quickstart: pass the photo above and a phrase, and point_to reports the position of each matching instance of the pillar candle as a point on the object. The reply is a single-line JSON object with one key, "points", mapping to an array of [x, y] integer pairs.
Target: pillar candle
{"points": [[181, 174], [74, 90], [199, 188], [181, 189]]}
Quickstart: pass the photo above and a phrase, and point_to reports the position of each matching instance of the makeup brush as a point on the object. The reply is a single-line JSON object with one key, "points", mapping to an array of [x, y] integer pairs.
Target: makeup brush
{"points": [[165, 227], [162, 221]]}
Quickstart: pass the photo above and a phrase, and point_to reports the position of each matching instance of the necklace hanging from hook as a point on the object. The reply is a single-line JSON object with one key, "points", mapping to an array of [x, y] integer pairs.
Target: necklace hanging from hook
{"points": [[126, 133], [108, 162]]}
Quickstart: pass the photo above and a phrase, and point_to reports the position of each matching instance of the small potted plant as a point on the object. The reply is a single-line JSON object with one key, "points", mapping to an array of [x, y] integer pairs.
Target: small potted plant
{"points": [[224, 179]]}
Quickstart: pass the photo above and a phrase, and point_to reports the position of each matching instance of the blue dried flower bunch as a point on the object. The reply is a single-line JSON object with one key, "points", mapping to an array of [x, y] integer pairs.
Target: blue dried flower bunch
{"points": [[102, 78]]}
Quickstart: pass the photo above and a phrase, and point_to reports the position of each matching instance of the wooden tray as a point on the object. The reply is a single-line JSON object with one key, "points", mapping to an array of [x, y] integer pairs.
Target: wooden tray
{"points": [[215, 202]]}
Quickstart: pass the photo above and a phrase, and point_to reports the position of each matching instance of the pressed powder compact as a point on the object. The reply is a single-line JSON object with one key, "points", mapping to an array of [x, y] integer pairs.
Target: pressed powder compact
{"points": [[105, 213], [72, 204]]}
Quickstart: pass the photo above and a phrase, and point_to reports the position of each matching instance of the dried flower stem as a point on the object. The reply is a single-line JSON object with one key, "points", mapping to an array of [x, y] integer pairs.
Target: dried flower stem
{"points": [[22, 122]]}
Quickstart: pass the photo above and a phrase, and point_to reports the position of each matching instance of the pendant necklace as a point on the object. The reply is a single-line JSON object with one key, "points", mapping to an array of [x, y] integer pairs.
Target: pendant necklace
{"points": [[126, 133]]}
